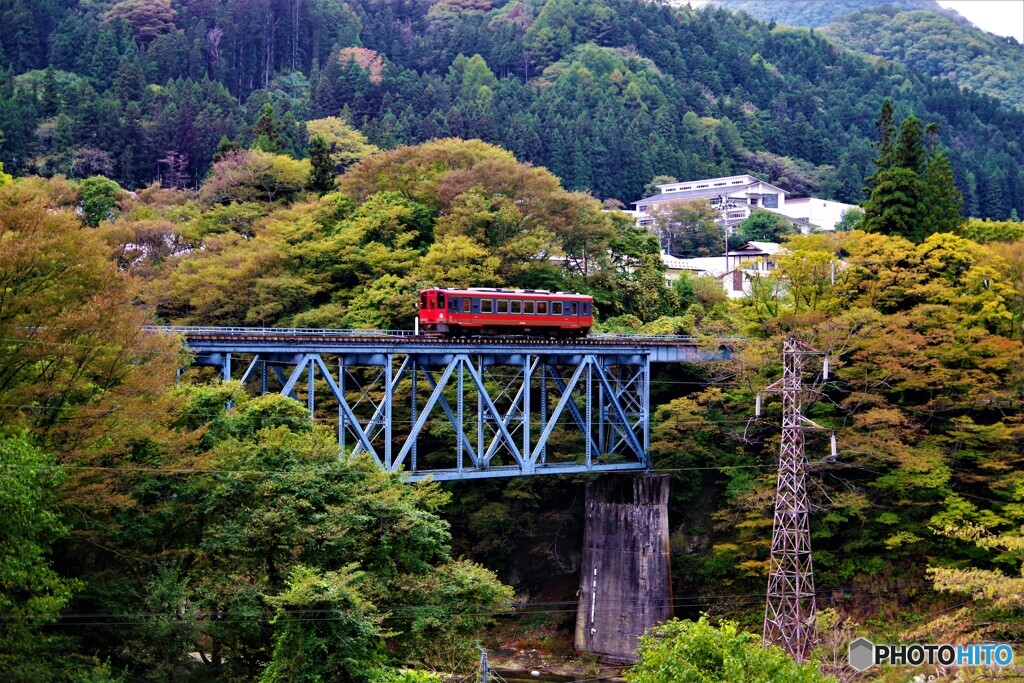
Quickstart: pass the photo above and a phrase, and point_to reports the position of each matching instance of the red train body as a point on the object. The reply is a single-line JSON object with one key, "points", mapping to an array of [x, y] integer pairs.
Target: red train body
{"points": [[479, 311]]}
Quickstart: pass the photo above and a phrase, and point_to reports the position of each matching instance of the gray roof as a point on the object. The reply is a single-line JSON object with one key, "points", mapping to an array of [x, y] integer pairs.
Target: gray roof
{"points": [[694, 194]]}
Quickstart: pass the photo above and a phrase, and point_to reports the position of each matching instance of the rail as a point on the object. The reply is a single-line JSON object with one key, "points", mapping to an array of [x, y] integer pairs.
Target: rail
{"points": [[196, 332]]}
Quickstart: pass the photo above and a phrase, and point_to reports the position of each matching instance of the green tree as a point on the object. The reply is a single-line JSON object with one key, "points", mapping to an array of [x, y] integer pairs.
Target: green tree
{"points": [[32, 594], [763, 226], [699, 652], [913, 193], [321, 173], [267, 131], [99, 199]]}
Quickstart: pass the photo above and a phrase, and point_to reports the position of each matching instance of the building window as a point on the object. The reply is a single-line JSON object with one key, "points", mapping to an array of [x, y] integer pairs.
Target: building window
{"points": [[701, 186], [737, 182], [770, 201], [642, 207], [719, 184]]}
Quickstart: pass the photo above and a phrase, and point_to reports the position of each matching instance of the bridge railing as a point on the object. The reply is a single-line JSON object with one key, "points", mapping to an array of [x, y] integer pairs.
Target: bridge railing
{"points": [[299, 332]]}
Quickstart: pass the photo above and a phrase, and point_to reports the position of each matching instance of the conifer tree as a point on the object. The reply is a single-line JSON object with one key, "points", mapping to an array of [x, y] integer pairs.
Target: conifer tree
{"points": [[321, 175], [268, 131], [913, 193]]}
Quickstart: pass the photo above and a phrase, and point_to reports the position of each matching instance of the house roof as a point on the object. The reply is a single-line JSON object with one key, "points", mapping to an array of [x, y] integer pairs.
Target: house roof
{"points": [[725, 191], [684, 195], [753, 248]]}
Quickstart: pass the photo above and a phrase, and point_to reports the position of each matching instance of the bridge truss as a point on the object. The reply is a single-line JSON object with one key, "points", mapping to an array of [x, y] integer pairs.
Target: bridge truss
{"points": [[454, 409]]}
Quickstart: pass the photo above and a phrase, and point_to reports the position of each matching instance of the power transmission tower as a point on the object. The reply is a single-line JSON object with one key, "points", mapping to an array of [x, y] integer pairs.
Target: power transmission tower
{"points": [[790, 617]]}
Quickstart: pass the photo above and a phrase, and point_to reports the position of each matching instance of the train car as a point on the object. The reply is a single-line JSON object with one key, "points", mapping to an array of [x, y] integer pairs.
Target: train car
{"points": [[489, 312]]}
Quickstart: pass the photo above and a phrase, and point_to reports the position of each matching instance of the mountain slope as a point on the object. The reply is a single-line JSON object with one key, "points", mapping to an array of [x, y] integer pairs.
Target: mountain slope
{"points": [[935, 45], [605, 93], [815, 13]]}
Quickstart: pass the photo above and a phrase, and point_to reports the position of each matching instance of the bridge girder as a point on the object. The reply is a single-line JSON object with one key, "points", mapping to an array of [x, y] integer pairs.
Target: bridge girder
{"points": [[498, 414]]}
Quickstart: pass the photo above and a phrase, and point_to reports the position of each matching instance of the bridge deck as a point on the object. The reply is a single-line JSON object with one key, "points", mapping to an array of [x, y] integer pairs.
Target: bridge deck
{"points": [[370, 344]]}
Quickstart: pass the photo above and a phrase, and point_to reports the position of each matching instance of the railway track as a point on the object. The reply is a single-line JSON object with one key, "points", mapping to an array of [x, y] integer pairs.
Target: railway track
{"points": [[327, 336]]}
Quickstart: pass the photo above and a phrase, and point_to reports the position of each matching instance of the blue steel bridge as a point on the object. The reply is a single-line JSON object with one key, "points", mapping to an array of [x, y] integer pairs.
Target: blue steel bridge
{"points": [[487, 407]]}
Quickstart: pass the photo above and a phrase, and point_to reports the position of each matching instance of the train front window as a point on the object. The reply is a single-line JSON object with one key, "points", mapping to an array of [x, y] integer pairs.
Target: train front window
{"points": [[487, 305], [423, 301], [440, 300], [556, 308], [528, 307], [501, 305], [542, 308], [515, 306]]}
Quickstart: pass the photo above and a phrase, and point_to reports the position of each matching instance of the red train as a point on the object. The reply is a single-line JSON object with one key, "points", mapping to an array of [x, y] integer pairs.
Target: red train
{"points": [[480, 311]]}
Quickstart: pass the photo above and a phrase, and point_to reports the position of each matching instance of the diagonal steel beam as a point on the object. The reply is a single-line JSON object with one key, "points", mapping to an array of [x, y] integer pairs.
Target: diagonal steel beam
{"points": [[447, 408], [353, 423], [517, 404], [502, 430], [252, 367], [559, 407], [381, 409], [427, 407], [616, 406], [572, 407]]}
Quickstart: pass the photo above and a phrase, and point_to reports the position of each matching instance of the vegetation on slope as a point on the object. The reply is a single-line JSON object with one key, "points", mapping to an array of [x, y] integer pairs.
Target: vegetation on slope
{"points": [[936, 45], [811, 14], [604, 93]]}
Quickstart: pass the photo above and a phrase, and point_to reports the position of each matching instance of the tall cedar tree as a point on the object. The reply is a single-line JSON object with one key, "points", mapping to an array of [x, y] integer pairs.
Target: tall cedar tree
{"points": [[913, 193], [321, 175]]}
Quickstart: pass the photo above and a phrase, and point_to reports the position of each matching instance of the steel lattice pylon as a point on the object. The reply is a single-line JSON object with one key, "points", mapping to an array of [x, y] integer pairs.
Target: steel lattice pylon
{"points": [[790, 617]]}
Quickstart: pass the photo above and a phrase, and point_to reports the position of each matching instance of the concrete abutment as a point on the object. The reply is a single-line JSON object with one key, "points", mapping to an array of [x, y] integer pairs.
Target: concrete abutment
{"points": [[625, 579]]}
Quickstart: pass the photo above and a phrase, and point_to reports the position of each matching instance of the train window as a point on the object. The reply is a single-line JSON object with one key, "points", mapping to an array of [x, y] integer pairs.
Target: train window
{"points": [[515, 306], [453, 305], [528, 307], [423, 300], [586, 309], [501, 305], [486, 305], [465, 305], [556, 308], [542, 308], [572, 308], [440, 300]]}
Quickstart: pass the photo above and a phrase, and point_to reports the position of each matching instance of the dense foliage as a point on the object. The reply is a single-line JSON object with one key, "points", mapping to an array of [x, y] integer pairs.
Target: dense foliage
{"points": [[936, 45], [810, 14], [698, 652], [176, 533], [604, 93]]}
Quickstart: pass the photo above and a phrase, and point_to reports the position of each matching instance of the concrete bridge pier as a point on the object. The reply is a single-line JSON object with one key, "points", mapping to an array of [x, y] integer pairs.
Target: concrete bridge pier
{"points": [[625, 580]]}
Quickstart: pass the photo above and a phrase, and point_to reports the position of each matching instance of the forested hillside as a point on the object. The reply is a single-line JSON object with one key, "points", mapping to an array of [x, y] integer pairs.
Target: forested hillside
{"points": [[935, 45], [604, 93], [812, 14], [153, 533]]}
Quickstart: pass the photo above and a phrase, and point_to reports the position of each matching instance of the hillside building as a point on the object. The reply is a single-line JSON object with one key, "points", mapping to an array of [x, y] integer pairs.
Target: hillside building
{"points": [[736, 197]]}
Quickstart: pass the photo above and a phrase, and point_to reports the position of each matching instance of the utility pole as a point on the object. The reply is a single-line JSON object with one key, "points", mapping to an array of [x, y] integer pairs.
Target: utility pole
{"points": [[483, 665], [790, 617]]}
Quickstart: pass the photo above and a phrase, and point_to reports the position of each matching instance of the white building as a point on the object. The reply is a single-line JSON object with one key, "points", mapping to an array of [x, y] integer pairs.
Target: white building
{"points": [[736, 197], [734, 270]]}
